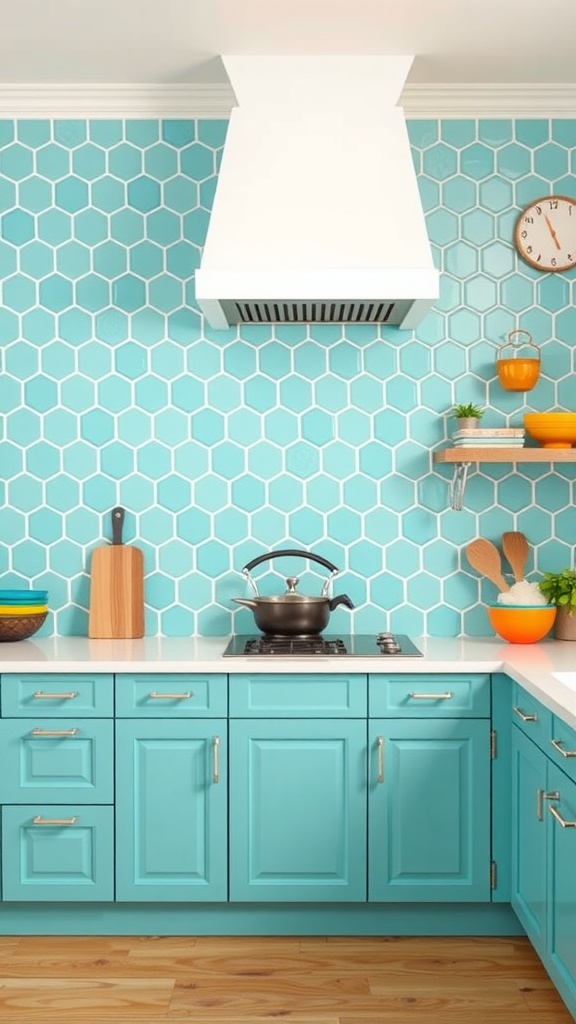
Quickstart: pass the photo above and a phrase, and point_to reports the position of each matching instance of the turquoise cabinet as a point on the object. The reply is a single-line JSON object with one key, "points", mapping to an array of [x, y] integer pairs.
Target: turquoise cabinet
{"points": [[44, 695], [171, 695], [57, 760], [562, 882], [429, 810], [171, 808], [57, 852], [429, 788], [297, 810], [529, 837], [57, 787], [544, 854]]}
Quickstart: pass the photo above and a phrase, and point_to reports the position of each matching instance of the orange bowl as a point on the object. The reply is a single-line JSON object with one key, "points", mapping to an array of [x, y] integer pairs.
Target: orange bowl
{"points": [[551, 429], [521, 623]]}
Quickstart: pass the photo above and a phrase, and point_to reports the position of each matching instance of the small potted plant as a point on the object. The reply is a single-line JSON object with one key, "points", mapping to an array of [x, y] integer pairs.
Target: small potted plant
{"points": [[467, 415], [559, 588]]}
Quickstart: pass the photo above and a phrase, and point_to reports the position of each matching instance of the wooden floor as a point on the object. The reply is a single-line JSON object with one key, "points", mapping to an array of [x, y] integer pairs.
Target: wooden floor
{"points": [[305, 981]]}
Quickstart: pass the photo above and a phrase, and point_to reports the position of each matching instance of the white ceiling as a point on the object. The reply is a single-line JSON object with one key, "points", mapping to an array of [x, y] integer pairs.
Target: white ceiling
{"points": [[171, 42]]}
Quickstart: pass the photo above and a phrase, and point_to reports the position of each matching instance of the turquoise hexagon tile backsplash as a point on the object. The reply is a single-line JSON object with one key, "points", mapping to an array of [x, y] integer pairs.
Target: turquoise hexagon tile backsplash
{"points": [[224, 445]]}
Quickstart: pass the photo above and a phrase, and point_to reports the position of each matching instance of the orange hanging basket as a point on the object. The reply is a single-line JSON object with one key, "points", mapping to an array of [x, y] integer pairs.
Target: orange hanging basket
{"points": [[518, 363]]}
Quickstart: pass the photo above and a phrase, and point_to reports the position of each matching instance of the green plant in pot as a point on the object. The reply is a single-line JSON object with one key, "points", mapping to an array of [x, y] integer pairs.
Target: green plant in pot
{"points": [[559, 588], [467, 414]]}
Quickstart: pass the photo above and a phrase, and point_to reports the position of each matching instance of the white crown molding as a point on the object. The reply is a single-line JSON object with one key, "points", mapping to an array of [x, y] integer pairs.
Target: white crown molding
{"points": [[490, 100], [110, 100]]}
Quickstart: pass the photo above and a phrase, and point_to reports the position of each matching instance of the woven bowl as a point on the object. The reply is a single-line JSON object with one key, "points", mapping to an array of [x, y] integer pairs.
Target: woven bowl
{"points": [[20, 627]]}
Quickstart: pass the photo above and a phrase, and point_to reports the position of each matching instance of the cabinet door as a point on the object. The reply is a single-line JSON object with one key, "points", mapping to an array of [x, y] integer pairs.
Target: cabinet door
{"points": [[529, 820], [171, 842], [57, 853], [298, 810], [429, 810], [561, 819]]}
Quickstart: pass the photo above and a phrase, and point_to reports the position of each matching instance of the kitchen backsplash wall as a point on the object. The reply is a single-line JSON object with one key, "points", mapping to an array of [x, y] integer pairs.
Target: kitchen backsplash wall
{"points": [[222, 446]]}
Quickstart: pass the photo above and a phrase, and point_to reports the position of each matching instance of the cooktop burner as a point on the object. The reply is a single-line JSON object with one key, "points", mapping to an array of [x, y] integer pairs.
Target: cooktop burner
{"points": [[360, 646]]}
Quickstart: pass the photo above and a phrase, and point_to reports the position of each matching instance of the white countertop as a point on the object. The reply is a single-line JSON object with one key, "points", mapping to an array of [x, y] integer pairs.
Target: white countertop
{"points": [[532, 665]]}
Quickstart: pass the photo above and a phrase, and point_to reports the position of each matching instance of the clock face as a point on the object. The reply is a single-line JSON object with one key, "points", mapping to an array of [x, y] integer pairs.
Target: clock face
{"points": [[545, 233]]}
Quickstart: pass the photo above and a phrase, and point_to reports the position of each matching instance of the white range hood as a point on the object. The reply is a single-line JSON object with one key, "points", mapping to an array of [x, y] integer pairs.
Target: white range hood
{"points": [[317, 215]]}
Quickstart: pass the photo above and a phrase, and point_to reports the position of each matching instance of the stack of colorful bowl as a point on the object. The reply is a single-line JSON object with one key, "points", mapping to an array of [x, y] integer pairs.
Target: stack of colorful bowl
{"points": [[22, 612]]}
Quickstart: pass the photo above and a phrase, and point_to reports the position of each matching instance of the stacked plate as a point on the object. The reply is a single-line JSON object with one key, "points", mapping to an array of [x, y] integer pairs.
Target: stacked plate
{"points": [[22, 612], [492, 437]]}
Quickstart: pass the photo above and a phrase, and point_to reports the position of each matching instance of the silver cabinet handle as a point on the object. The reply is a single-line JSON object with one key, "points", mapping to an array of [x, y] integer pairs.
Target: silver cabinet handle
{"points": [[55, 732], [39, 695], [525, 718], [561, 821], [557, 744], [380, 746], [431, 696], [541, 796], [170, 696], [38, 820], [216, 759]]}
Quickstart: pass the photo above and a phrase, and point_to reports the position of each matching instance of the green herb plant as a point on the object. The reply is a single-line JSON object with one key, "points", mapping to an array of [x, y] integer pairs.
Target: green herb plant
{"points": [[468, 412], [559, 588]]}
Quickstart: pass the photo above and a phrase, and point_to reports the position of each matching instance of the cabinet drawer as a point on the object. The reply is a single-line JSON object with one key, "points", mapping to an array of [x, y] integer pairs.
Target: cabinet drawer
{"points": [[57, 853], [30, 695], [426, 695], [532, 717], [177, 695], [56, 760], [561, 746], [297, 696]]}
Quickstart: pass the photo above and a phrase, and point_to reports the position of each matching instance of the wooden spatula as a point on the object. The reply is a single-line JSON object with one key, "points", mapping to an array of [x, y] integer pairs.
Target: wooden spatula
{"points": [[515, 547], [484, 556], [116, 588]]}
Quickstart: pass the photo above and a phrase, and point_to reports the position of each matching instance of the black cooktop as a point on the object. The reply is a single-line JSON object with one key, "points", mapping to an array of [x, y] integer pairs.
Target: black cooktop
{"points": [[362, 645]]}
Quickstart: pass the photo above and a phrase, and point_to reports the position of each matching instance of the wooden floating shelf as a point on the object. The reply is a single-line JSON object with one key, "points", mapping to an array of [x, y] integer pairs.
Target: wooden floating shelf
{"points": [[505, 455]]}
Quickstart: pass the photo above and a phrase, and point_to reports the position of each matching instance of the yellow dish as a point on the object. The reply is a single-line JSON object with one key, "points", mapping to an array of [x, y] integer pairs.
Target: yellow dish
{"points": [[552, 429], [23, 609]]}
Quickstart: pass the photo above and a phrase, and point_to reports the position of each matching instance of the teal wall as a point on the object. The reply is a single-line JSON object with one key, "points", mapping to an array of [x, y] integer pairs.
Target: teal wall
{"points": [[223, 445]]}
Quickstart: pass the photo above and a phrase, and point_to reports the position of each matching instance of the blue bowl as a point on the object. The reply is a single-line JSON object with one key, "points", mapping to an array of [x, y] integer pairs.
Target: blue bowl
{"points": [[23, 596]]}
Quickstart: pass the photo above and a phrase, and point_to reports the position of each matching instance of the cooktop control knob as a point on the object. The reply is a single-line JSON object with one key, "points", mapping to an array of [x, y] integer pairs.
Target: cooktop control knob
{"points": [[388, 643]]}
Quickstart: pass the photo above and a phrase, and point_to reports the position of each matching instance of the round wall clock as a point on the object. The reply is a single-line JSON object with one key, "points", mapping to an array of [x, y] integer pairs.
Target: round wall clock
{"points": [[545, 234]]}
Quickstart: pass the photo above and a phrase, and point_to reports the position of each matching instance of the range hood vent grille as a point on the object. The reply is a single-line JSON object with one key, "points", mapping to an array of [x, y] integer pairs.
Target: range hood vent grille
{"points": [[279, 312]]}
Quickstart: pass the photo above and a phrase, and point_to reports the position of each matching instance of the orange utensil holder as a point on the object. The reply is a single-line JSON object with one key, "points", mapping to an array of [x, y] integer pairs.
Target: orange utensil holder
{"points": [[518, 362]]}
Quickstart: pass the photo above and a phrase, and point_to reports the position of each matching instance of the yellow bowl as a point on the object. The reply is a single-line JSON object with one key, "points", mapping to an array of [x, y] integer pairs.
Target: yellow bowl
{"points": [[552, 429], [521, 623], [22, 609]]}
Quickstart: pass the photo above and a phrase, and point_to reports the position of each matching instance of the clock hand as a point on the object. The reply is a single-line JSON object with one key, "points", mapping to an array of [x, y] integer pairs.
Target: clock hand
{"points": [[552, 232]]}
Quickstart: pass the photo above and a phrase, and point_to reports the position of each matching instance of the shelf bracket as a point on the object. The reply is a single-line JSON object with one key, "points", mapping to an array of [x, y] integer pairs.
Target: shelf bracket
{"points": [[458, 485]]}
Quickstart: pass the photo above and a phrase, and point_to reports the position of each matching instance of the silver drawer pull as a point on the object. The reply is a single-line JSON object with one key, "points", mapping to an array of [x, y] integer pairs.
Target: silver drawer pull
{"points": [[561, 821], [39, 695], [380, 745], [541, 796], [216, 759], [557, 744], [55, 732], [55, 821], [431, 696], [525, 718], [170, 696]]}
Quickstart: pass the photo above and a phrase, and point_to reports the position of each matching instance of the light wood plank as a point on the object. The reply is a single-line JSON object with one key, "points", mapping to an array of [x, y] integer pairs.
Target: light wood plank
{"points": [[258, 980]]}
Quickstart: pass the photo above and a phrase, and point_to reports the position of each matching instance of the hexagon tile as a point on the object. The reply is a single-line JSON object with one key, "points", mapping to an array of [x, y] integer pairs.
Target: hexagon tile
{"points": [[225, 445]]}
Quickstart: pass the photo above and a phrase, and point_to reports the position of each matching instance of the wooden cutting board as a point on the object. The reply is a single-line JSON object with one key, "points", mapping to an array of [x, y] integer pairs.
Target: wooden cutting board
{"points": [[116, 587]]}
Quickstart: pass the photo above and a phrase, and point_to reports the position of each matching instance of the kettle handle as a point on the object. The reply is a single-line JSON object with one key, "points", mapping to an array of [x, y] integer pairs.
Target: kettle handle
{"points": [[282, 554]]}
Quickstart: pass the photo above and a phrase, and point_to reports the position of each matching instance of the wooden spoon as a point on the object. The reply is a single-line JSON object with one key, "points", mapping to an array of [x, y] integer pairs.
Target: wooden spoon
{"points": [[515, 547], [484, 556]]}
